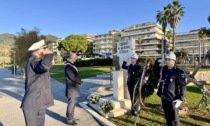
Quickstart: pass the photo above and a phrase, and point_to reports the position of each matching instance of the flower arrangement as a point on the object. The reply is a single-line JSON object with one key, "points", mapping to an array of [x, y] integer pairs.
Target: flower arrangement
{"points": [[93, 98], [106, 106]]}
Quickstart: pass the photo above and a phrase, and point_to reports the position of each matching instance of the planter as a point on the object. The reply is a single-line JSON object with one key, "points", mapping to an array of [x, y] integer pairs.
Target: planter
{"points": [[107, 111], [92, 102]]}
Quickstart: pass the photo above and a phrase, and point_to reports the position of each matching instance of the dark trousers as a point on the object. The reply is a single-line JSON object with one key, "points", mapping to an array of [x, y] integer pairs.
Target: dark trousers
{"points": [[171, 113], [34, 118], [131, 91], [70, 108]]}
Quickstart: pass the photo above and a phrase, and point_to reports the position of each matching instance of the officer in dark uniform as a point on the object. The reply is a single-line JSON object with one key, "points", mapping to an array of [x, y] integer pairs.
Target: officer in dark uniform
{"points": [[133, 75], [38, 93], [73, 83], [172, 89]]}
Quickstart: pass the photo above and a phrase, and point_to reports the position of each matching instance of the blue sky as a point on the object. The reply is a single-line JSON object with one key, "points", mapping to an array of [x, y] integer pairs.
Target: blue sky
{"points": [[64, 17]]}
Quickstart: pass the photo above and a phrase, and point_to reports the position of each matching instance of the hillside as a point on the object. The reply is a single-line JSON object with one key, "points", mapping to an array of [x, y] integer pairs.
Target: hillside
{"points": [[7, 39], [50, 38]]}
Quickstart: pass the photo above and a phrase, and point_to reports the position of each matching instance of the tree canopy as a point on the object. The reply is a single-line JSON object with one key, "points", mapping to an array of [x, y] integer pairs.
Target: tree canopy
{"points": [[182, 55], [171, 14], [75, 43], [22, 42], [5, 53]]}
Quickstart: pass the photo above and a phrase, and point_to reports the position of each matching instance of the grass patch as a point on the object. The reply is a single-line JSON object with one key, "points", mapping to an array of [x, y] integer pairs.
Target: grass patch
{"points": [[57, 71], [150, 116]]}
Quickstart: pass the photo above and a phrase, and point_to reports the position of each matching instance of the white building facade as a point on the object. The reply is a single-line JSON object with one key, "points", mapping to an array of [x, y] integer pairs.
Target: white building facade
{"points": [[151, 35], [191, 42]]}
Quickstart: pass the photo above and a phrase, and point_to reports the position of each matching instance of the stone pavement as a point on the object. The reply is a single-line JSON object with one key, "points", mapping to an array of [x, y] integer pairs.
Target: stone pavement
{"points": [[11, 94]]}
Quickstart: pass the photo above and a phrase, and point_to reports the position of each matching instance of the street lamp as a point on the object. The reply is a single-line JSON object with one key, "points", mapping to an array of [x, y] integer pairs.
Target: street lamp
{"points": [[3, 55], [13, 51]]}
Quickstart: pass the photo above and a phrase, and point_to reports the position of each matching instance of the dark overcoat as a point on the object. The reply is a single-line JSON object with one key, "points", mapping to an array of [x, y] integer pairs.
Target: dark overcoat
{"points": [[38, 92], [172, 84], [73, 81]]}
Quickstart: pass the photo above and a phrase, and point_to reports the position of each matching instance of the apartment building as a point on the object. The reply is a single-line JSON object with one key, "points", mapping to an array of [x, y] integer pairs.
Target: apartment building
{"points": [[54, 45], [151, 35], [90, 37], [191, 41], [103, 43]]}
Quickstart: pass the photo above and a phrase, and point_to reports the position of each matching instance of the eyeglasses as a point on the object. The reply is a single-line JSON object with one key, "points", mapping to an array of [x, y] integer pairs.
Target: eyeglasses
{"points": [[167, 59]]}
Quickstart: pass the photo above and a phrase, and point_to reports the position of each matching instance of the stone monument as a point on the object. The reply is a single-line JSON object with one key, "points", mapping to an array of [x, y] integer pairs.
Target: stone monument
{"points": [[124, 51], [121, 98]]}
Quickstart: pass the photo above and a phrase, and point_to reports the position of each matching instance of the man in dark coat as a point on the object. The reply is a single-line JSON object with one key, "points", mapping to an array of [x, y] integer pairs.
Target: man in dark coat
{"points": [[133, 75], [38, 93], [172, 89], [73, 83]]}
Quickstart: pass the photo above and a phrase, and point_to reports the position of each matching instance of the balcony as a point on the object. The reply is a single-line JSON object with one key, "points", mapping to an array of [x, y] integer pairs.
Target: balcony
{"points": [[147, 49], [151, 54], [123, 34], [151, 43], [140, 27], [186, 40]]}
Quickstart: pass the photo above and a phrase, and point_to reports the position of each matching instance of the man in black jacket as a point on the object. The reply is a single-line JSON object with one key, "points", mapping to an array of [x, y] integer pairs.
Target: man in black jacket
{"points": [[133, 75], [73, 83], [38, 93], [172, 89]]}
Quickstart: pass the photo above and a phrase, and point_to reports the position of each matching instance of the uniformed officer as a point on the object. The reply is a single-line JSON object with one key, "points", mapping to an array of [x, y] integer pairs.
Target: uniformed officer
{"points": [[73, 83], [38, 93], [133, 75], [172, 89]]}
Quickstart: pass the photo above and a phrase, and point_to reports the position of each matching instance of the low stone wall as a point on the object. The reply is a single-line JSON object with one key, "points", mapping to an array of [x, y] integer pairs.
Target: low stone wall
{"points": [[203, 76]]}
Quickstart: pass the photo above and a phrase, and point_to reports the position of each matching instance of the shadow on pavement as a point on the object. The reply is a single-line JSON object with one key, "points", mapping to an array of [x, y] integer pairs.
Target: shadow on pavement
{"points": [[12, 94], [56, 116]]}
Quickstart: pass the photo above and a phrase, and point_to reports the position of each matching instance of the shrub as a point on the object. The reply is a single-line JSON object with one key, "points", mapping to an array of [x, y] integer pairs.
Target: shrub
{"points": [[94, 62], [144, 60]]}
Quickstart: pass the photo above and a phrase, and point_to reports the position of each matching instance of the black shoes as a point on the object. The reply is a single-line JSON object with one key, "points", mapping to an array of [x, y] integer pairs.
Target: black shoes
{"points": [[135, 113], [75, 119], [72, 121]]}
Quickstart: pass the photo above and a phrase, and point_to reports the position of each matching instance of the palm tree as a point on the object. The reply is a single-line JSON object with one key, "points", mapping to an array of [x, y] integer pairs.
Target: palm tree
{"points": [[169, 37], [161, 18], [139, 41], [174, 11], [202, 34], [98, 45], [209, 29]]}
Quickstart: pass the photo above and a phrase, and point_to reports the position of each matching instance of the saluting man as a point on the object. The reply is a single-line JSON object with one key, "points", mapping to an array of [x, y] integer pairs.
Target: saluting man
{"points": [[133, 75], [73, 83], [38, 93], [172, 89]]}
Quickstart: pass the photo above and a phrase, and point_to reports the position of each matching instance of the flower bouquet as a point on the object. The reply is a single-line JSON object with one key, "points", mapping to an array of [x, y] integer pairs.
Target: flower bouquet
{"points": [[106, 106], [93, 98]]}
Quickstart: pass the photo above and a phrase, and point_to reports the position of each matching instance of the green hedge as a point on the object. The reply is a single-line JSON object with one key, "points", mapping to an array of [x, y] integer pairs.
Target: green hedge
{"points": [[94, 62], [144, 60], [108, 62]]}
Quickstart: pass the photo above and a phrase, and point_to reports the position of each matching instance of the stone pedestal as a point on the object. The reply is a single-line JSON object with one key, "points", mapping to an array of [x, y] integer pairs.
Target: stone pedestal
{"points": [[120, 104], [118, 85], [126, 92]]}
